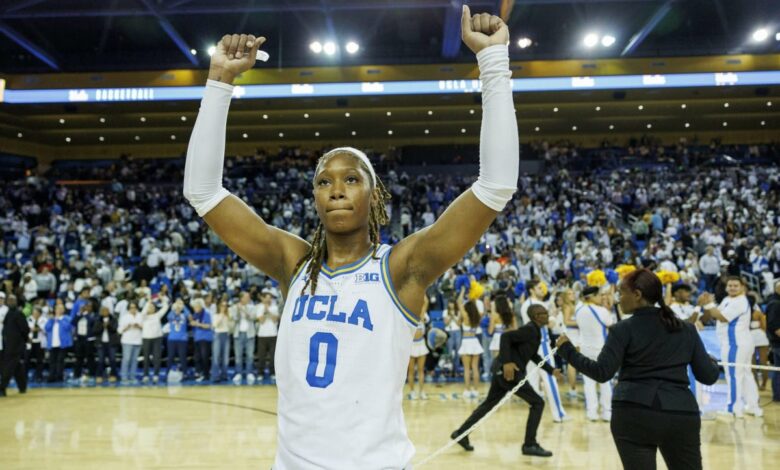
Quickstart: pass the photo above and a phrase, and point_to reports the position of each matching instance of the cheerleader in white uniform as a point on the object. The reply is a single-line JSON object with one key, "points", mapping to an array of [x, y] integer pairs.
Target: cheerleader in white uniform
{"points": [[502, 319], [417, 357], [470, 347], [566, 303], [760, 341]]}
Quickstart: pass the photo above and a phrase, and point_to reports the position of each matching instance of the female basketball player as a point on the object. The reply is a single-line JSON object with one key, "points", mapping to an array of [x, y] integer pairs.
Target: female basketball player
{"points": [[502, 318], [470, 347], [352, 304]]}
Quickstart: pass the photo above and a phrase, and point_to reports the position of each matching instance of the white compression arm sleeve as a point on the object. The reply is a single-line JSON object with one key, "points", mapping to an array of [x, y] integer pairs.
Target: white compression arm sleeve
{"points": [[499, 148], [206, 151]]}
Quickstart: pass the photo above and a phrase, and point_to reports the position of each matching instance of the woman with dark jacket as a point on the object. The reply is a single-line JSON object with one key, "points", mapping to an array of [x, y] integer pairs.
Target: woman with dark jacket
{"points": [[107, 341], [652, 406]]}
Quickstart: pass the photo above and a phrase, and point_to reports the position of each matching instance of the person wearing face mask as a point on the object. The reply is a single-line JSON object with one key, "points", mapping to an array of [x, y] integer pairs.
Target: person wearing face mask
{"points": [[652, 406]]}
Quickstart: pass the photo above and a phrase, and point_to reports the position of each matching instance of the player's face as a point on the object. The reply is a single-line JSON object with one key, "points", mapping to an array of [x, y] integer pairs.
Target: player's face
{"points": [[342, 194]]}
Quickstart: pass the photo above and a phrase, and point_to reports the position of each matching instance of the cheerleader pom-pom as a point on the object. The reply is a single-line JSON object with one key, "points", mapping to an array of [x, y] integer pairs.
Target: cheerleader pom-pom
{"points": [[596, 278], [476, 290], [668, 277], [624, 270]]}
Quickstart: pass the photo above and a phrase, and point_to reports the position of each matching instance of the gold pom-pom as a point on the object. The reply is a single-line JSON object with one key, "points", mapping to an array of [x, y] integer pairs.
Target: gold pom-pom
{"points": [[476, 290], [625, 269], [596, 278]]}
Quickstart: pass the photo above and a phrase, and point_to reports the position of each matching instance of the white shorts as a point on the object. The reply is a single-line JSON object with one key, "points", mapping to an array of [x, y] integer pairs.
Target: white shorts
{"points": [[470, 347], [759, 337], [419, 348]]}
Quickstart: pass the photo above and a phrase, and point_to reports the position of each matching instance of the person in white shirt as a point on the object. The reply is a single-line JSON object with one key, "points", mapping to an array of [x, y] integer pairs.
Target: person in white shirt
{"points": [[220, 347], [131, 329], [678, 298], [709, 265], [37, 343], [733, 328], [152, 335], [30, 287], [267, 328], [244, 316], [593, 321]]}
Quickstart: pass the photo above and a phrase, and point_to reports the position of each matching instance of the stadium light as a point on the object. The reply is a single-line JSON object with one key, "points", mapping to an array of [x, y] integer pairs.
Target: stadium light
{"points": [[315, 47], [20, 135], [760, 35], [524, 42], [212, 50], [607, 40], [352, 47], [591, 39], [777, 36], [329, 48], [193, 52]]}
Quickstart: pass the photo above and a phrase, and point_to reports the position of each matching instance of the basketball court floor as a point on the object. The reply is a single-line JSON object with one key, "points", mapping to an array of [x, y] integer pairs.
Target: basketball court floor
{"points": [[235, 427]]}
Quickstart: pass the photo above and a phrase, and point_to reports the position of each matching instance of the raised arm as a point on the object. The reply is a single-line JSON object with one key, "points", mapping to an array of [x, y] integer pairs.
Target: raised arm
{"points": [[423, 256], [273, 251]]}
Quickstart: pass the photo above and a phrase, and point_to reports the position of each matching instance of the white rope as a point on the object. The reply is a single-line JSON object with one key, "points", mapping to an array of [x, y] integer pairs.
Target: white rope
{"points": [[489, 413], [749, 366]]}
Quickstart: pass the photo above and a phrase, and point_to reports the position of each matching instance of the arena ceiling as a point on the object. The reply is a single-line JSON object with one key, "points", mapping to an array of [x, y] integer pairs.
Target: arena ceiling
{"points": [[90, 35], [76, 36]]}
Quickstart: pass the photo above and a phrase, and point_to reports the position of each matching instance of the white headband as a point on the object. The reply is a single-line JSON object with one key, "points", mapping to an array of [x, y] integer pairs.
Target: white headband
{"points": [[353, 151]]}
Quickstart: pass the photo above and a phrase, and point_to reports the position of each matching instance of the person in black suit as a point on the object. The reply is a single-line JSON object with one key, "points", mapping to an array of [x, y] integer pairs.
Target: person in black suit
{"points": [[652, 406], [15, 333], [517, 348]]}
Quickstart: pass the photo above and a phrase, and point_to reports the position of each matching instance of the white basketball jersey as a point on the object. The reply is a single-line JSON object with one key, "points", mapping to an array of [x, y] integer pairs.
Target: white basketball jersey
{"points": [[738, 313], [341, 359]]}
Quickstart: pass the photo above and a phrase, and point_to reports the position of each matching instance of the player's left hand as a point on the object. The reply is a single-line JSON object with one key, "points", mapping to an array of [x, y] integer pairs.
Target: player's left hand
{"points": [[482, 30], [561, 341]]}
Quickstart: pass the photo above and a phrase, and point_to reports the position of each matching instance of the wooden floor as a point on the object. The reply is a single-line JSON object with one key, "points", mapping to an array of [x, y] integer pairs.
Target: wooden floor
{"points": [[235, 427]]}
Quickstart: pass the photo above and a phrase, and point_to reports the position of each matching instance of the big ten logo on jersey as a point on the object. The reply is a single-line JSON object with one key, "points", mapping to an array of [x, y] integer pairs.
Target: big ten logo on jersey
{"points": [[328, 308], [363, 278]]}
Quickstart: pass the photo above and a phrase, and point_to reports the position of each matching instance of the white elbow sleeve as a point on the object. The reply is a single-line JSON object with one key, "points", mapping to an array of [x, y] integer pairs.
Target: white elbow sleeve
{"points": [[499, 147], [206, 151]]}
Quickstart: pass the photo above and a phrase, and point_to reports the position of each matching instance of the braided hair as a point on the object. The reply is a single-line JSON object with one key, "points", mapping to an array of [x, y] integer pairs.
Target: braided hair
{"points": [[377, 217]]}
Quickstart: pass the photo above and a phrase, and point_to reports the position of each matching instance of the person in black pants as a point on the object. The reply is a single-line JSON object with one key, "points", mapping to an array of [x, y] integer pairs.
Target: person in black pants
{"points": [[36, 351], [517, 348], [773, 334], [84, 341], [652, 406], [108, 342], [15, 333]]}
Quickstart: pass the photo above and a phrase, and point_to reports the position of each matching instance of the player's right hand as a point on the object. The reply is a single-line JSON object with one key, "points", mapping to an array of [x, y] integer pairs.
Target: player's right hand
{"points": [[509, 371], [236, 53]]}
